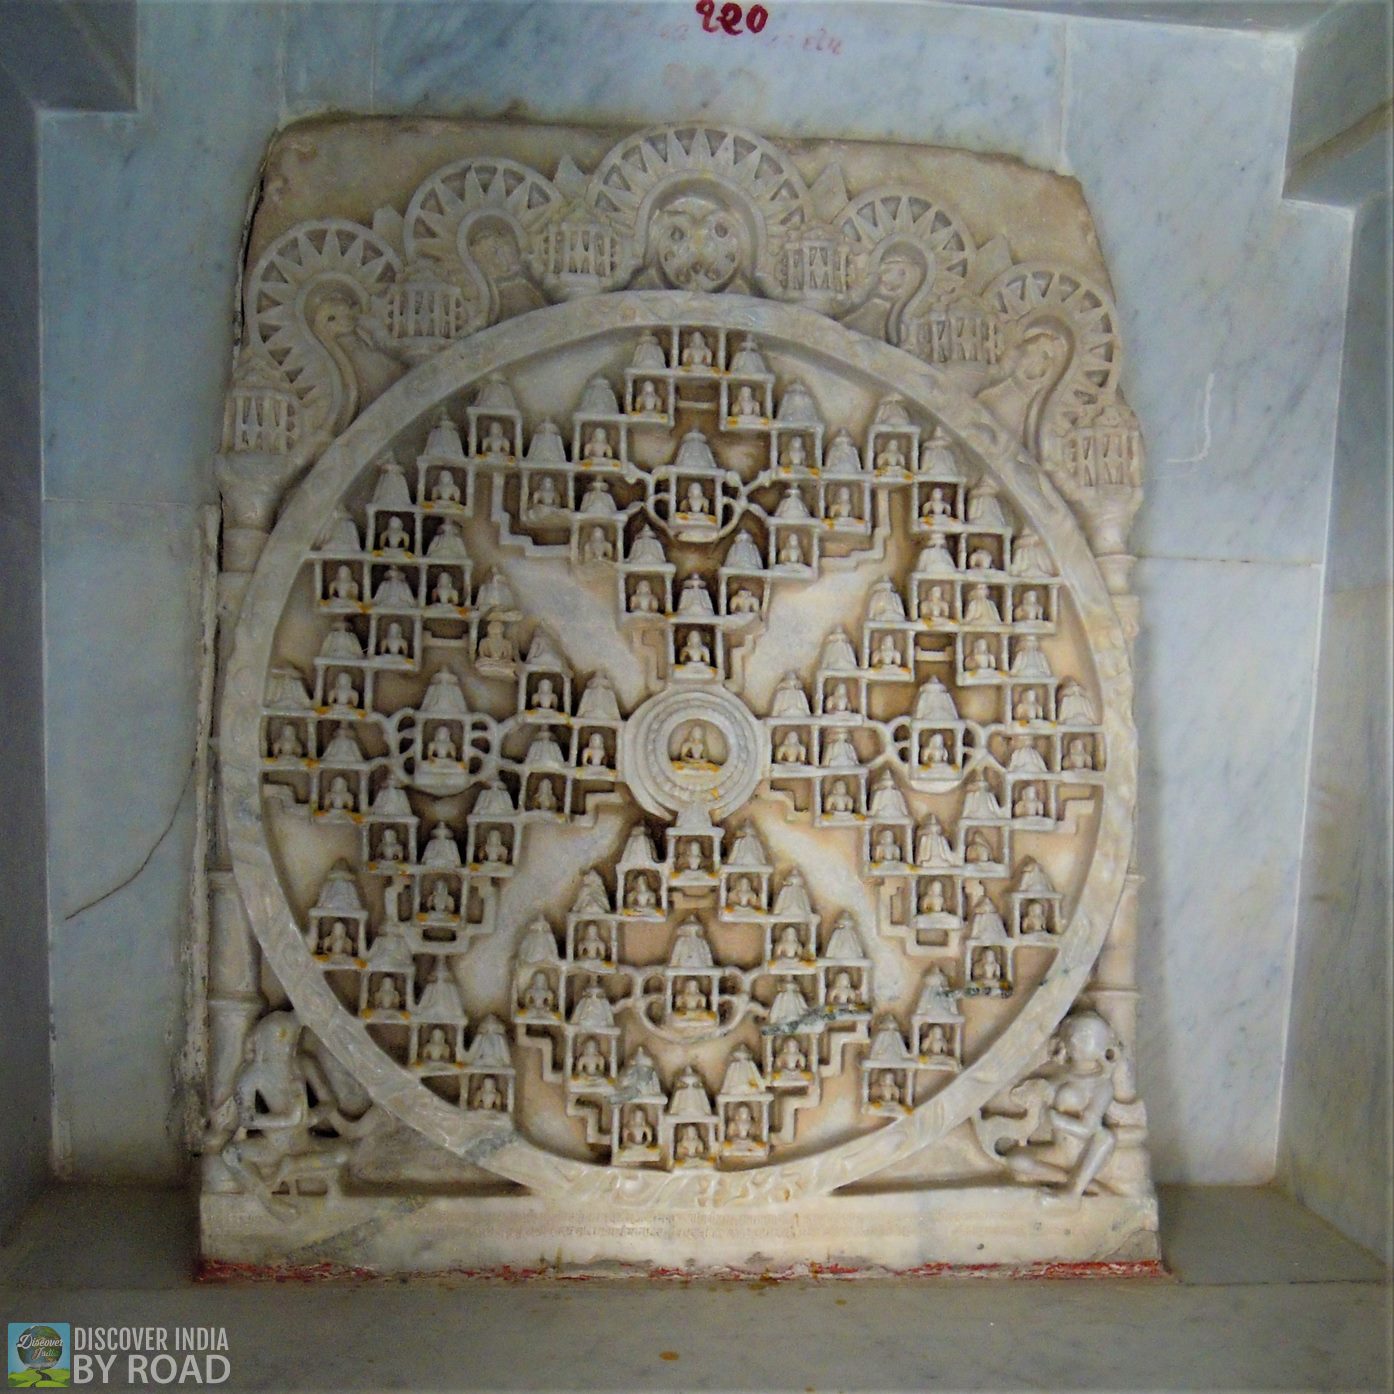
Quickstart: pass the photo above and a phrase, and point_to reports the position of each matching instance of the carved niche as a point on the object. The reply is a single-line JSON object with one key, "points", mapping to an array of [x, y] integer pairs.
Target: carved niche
{"points": [[675, 748]]}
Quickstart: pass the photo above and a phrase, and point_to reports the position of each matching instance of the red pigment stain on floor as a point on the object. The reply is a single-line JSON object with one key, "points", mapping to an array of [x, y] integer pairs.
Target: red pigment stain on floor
{"points": [[667, 1355], [222, 1271]]}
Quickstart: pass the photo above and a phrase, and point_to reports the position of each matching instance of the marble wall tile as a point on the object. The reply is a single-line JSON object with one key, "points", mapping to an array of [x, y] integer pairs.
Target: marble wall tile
{"points": [[329, 56], [1358, 553], [1224, 711], [1342, 72], [122, 626], [1336, 1106], [142, 218], [1231, 303], [940, 74]]}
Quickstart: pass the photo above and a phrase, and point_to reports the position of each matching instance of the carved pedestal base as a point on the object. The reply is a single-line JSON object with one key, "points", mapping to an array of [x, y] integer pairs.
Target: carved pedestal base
{"points": [[1012, 1228]]}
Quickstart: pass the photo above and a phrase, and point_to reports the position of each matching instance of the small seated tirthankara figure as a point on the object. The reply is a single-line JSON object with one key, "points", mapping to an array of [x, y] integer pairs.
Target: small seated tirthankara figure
{"points": [[288, 746], [987, 967], [690, 997], [936, 1040], [981, 659], [446, 490], [445, 592], [590, 1063], [840, 799], [790, 750], [935, 754], [694, 744], [538, 996], [1078, 755], [488, 1097], [695, 650], [395, 537], [637, 1130], [885, 1090], [696, 353], [598, 546], [887, 653], [788, 945], [387, 998], [394, 643], [545, 493], [441, 747], [495, 442], [695, 500], [690, 1147], [343, 586], [742, 894], [643, 600], [641, 894], [340, 797], [842, 993], [496, 646], [437, 1049], [337, 941], [740, 1127]]}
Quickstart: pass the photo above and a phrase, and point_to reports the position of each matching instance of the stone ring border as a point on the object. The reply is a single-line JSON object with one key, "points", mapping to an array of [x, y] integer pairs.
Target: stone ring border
{"points": [[495, 1143], [644, 751]]}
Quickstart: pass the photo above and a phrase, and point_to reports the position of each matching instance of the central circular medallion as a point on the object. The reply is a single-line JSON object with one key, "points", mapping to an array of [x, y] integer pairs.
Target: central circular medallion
{"points": [[694, 745]]}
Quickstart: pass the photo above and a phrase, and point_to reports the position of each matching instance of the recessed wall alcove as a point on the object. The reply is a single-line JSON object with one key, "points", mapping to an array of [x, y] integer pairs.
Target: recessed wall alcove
{"points": [[1216, 178]]}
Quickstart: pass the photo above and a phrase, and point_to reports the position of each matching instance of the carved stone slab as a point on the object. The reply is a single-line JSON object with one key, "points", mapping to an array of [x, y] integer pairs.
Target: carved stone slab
{"points": [[675, 744]]}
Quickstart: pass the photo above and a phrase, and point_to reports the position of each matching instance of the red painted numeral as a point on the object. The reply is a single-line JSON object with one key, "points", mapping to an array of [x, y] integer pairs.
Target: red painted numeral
{"points": [[731, 16]]}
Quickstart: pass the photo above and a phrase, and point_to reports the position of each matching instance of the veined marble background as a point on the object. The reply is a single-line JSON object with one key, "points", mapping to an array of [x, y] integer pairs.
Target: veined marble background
{"points": [[1233, 307]]}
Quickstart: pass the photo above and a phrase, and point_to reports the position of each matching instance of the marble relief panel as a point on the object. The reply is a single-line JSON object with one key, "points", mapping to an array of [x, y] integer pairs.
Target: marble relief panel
{"points": [[676, 755]]}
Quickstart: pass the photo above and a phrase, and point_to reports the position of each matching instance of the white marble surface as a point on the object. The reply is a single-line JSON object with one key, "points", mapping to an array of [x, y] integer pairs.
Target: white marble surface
{"points": [[980, 79], [1268, 1297], [1234, 380], [1219, 282], [1224, 712], [1342, 66], [122, 584], [1336, 1097], [142, 220]]}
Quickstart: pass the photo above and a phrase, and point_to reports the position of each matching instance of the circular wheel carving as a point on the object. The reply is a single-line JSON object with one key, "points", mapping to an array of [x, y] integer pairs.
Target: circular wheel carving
{"points": [[663, 762]]}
